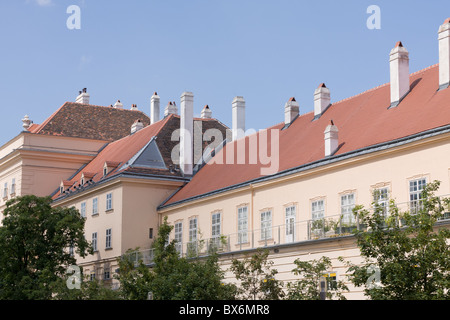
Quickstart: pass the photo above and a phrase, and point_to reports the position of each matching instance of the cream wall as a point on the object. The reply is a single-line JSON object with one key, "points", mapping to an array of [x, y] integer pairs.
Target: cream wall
{"points": [[392, 168]]}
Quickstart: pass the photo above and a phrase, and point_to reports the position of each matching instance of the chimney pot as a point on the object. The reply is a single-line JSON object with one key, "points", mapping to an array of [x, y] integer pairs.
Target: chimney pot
{"points": [[83, 97], [206, 112], [238, 118], [399, 73], [118, 104], [137, 125], [170, 108], [444, 54], [321, 100], [291, 111], [331, 139], [154, 108]]}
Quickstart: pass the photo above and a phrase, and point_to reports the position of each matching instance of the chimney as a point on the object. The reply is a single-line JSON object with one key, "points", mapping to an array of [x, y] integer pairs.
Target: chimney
{"points": [[399, 69], [136, 126], [26, 122], [444, 54], [238, 118], [321, 100], [118, 104], [291, 109], [186, 133], [170, 108], [134, 107], [83, 97], [331, 139], [206, 112], [154, 108]]}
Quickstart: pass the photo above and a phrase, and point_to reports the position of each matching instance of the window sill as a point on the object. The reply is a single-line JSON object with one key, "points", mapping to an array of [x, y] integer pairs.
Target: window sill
{"points": [[108, 249], [94, 214], [109, 211]]}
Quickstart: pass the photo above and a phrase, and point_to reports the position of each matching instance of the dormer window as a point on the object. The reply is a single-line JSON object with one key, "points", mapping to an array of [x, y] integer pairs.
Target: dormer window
{"points": [[109, 166], [86, 177], [64, 186]]}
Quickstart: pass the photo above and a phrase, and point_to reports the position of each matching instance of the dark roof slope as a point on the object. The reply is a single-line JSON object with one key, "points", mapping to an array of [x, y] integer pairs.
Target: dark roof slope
{"points": [[90, 122]]}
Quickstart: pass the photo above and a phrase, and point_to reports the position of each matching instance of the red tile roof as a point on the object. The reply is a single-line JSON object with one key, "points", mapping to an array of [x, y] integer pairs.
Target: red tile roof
{"points": [[89, 122], [363, 120]]}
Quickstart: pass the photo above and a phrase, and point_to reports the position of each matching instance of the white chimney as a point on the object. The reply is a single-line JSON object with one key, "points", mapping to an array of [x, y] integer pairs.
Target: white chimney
{"points": [[399, 69], [134, 107], [154, 108], [321, 100], [206, 112], [238, 118], [137, 125], [331, 139], [186, 133], [118, 104], [444, 54], [291, 110], [83, 97], [170, 108]]}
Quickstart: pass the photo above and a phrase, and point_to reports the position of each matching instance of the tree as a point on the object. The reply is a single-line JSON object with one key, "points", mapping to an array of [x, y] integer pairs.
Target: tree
{"points": [[172, 277], [405, 256], [307, 287], [257, 278], [35, 240]]}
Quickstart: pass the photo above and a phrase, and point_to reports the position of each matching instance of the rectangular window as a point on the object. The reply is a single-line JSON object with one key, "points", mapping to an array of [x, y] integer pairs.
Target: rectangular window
{"points": [[415, 194], [290, 223], [5, 190], [13, 186], [381, 197], [317, 210], [179, 236], [94, 241], [242, 225], [108, 201], [92, 275], [94, 206], [266, 225], [331, 280], [193, 230], [106, 274], [347, 205], [83, 209], [108, 239], [215, 223]]}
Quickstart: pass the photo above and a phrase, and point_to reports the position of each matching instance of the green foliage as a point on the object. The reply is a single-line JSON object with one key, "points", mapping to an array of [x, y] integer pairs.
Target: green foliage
{"points": [[172, 277], [410, 252], [257, 278], [311, 272], [35, 238]]}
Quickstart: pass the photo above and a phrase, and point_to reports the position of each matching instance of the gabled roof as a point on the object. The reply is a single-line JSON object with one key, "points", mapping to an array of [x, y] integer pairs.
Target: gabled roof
{"points": [[90, 122], [363, 120], [145, 152]]}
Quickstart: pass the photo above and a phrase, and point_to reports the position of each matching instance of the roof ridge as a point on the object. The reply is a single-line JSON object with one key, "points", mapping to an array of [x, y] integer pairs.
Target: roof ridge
{"points": [[384, 84]]}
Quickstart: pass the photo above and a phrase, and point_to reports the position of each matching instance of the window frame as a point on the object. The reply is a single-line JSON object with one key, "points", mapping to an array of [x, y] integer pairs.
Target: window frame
{"points": [[266, 224], [108, 239], [95, 206], [242, 224]]}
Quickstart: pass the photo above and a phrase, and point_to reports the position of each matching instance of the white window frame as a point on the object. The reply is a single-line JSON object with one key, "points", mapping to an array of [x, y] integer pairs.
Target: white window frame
{"points": [[193, 229], [13, 186], [83, 209], [109, 203], [347, 205], [290, 213], [95, 206], [108, 240], [94, 241], [416, 187], [242, 225], [266, 224], [381, 197], [178, 230], [5, 190], [216, 225], [318, 209]]}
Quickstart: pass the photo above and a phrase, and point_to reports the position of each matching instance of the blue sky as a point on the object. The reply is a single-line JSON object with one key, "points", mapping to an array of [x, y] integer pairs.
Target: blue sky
{"points": [[265, 51]]}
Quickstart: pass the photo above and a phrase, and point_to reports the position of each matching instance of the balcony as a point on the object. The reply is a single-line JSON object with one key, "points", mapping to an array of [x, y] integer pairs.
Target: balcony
{"points": [[297, 232]]}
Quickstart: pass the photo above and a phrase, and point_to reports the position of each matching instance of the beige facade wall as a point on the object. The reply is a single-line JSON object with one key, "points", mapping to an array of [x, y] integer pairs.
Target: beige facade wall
{"points": [[392, 168]]}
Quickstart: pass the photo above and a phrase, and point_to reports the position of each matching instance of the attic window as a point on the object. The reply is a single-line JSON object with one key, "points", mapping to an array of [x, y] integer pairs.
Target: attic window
{"points": [[105, 171]]}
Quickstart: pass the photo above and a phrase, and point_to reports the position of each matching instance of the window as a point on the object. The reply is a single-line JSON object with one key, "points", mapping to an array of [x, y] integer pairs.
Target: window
{"points": [[381, 197], [347, 205], [215, 232], [92, 275], [290, 223], [415, 194], [242, 225], [5, 190], [94, 206], [83, 209], [71, 251], [105, 171], [108, 201], [193, 230], [106, 274], [179, 236], [94, 241], [150, 233], [108, 239], [331, 280], [317, 210], [13, 186], [266, 225]]}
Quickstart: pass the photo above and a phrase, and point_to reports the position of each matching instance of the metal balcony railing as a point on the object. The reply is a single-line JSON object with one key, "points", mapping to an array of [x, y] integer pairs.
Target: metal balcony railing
{"points": [[327, 227]]}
